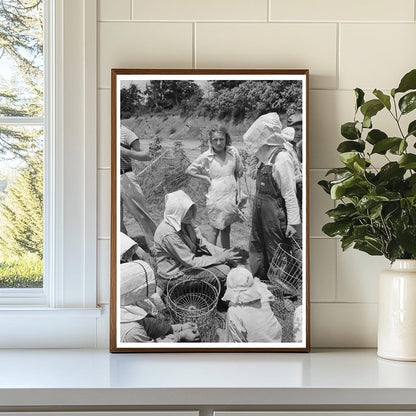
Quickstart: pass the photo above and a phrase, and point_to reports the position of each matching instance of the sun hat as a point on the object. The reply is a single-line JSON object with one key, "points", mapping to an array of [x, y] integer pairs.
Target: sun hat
{"points": [[243, 288], [294, 119]]}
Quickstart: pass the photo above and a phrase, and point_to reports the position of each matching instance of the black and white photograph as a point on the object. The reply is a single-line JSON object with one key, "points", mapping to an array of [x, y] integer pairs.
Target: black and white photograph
{"points": [[209, 230]]}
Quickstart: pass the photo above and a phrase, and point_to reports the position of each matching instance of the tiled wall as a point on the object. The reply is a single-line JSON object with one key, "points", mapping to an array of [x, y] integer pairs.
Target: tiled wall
{"points": [[345, 44]]}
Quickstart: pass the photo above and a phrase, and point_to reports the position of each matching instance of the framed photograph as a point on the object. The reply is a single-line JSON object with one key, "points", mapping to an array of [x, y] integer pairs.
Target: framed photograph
{"points": [[209, 213]]}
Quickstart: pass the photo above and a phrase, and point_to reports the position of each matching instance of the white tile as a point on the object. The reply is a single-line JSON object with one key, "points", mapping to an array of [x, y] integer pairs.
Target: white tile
{"points": [[258, 45], [357, 275], [142, 45], [104, 129], [323, 269], [319, 203], [104, 203], [328, 111], [376, 55], [200, 10], [343, 325], [340, 10], [103, 271], [114, 10]]}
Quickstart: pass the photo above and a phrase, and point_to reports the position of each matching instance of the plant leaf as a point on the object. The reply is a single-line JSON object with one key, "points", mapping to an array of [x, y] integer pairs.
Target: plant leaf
{"points": [[408, 82], [408, 102], [336, 228], [359, 95], [375, 212], [371, 108], [411, 130], [349, 131], [346, 242], [391, 170], [385, 99], [383, 145], [369, 248], [348, 158], [325, 185], [342, 211], [407, 239], [400, 148], [367, 122], [408, 161], [337, 171], [375, 136], [350, 146]]}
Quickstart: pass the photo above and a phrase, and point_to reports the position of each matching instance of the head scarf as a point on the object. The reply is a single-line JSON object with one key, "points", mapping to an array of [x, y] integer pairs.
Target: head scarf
{"points": [[288, 134], [136, 279], [177, 205], [264, 135], [243, 288]]}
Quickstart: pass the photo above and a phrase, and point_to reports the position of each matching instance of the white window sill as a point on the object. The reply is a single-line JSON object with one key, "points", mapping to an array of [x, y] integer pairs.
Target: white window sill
{"points": [[37, 327], [322, 379], [36, 312]]}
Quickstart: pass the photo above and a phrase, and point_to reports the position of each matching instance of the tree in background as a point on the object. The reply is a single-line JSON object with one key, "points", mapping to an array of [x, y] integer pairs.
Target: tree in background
{"points": [[167, 94], [21, 225], [250, 99], [21, 87], [21, 95], [225, 84], [130, 100]]}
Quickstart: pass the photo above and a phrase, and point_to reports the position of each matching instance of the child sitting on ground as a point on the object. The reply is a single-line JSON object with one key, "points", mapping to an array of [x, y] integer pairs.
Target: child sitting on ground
{"points": [[249, 316]]}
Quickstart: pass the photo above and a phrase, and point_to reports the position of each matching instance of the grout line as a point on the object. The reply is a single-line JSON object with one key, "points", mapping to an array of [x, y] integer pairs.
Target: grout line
{"points": [[103, 238], [104, 168], [336, 270], [344, 303], [338, 63], [131, 9], [309, 22], [194, 45], [323, 237], [269, 10]]}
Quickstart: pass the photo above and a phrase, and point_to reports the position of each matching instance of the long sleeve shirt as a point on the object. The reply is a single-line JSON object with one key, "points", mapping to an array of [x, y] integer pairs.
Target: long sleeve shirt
{"points": [[284, 175]]}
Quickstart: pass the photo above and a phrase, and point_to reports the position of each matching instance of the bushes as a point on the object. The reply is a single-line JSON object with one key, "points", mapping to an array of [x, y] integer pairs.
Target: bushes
{"points": [[251, 99]]}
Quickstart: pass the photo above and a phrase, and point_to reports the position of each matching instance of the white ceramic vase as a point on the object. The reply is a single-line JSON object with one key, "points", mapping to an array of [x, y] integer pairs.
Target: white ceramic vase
{"points": [[397, 312]]}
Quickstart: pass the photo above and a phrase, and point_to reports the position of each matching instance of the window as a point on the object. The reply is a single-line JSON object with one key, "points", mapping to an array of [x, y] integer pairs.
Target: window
{"points": [[22, 132], [63, 312]]}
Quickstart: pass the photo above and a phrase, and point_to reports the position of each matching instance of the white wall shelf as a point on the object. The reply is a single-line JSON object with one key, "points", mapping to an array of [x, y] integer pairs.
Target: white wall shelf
{"points": [[84, 379]]}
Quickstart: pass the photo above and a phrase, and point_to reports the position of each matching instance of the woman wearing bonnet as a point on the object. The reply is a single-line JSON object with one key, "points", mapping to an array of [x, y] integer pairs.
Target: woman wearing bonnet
{"points": [[249, 316]]}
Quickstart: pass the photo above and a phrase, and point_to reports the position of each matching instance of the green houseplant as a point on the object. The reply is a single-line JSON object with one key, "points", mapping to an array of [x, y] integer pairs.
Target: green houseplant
{"points": [[376, 209]]}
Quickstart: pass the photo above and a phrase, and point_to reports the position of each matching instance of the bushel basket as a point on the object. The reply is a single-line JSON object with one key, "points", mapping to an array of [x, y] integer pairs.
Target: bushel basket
{"points": [[285, 271], [193, 297]]}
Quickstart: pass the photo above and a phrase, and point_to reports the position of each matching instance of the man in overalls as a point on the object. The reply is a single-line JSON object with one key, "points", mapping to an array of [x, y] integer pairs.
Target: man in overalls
{"points": [[276, 215]]}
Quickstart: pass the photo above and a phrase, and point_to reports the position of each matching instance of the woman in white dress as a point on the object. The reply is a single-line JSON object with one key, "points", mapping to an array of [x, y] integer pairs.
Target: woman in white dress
{"points": [[220, 166]]}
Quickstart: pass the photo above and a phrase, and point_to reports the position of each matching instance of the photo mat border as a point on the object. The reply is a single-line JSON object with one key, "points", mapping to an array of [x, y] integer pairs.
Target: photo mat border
{"points": [[116, 74]]}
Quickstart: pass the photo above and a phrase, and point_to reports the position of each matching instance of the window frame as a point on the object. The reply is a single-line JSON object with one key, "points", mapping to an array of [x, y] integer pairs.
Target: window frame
{"points": [[70, 208]]}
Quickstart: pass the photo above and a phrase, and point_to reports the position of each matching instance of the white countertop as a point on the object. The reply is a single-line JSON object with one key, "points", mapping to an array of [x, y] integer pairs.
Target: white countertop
{"points": [[96, 377]]}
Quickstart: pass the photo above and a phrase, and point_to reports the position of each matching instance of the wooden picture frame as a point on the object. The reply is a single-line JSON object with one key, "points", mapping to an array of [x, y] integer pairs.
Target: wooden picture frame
{"points": [[171, 289]]}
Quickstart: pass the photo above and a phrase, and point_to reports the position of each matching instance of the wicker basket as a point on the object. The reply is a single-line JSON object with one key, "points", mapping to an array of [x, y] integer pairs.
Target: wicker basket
{"points": [[193, 297], [285, 271]]}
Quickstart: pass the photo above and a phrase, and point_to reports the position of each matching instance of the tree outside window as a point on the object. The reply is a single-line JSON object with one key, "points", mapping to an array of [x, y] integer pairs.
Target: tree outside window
{"points": [[21, 143]]}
